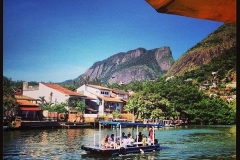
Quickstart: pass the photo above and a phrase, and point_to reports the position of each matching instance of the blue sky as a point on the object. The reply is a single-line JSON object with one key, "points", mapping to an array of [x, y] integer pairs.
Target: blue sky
{"points": [[57, 40]]}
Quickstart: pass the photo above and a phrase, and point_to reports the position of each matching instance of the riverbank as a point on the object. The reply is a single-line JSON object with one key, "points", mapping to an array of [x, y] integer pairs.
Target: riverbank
{"points": [[47, 125]]}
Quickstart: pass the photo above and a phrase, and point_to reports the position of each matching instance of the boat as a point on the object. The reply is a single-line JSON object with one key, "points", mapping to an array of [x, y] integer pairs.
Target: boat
{"points": [[167, 123], [123, 149], [5, 128]]}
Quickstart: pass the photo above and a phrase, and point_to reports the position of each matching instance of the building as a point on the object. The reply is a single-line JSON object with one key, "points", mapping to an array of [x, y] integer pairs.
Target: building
{"points": [[53, 93], [104, 99]]}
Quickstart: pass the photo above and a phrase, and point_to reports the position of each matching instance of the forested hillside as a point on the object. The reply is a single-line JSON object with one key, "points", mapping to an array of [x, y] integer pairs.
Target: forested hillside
{"points": [[182, 96], [203, 52]]}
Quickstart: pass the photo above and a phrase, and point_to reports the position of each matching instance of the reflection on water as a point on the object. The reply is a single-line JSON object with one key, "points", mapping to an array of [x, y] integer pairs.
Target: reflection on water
{"points": [[192, 142]]}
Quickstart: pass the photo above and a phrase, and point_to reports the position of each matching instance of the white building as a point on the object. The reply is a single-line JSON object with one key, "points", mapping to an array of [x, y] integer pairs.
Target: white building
{"points": [[101, 98], [52, 93]]}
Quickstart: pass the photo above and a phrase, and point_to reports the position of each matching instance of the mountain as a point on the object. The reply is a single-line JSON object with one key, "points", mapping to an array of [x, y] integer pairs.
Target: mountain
{"points": [[215, 44], [142, 64], [125, 67]]}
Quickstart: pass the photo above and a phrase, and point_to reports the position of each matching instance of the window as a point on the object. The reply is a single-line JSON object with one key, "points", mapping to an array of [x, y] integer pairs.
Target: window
{"points": [[104, 93]]}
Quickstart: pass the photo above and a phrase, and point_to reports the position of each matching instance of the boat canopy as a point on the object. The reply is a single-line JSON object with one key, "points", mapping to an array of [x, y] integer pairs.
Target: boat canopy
{"points": [[130, 124]]}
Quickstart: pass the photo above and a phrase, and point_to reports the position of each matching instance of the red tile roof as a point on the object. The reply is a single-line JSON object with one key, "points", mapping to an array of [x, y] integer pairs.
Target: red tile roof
{"points": [[99, 87], [30, 109], [120, 92], [22, 97], [62, 89], [109, 99], [25, 103]]}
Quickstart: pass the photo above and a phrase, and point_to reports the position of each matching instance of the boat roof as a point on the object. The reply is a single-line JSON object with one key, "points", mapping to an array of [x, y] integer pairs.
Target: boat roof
{"points": [[130, 124]]}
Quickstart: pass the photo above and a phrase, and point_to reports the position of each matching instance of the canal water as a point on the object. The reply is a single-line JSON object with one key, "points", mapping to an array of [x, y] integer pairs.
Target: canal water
{"points": [[177, 143]]}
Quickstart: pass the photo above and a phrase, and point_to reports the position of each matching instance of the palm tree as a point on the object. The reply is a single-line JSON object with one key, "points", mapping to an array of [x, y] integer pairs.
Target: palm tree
{"points": [[44, 103]]}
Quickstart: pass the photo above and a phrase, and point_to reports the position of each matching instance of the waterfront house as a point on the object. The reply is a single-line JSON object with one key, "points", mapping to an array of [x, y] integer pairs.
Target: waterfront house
{"points": [[27, 106], [28, 110], [122, 95], [53, 93], [104, 100]]}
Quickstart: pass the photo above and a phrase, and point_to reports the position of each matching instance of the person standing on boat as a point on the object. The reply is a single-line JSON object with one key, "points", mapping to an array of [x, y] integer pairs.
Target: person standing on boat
{"points": [[151, 134], [123, 135], [140, 137], [111, 140]]}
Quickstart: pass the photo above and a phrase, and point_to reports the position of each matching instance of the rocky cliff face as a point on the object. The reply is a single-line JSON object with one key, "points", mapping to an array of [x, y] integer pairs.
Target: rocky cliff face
{"points": [[138, 64], [201, 54]]}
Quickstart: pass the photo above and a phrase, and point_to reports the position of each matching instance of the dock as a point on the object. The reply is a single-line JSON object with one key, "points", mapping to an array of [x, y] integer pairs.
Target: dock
{"points": [[21, 125], [76, 125]]}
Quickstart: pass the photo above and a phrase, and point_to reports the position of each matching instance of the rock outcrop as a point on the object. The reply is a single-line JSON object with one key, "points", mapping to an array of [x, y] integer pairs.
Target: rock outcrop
{"points": [[138, 64], [201, 54]]}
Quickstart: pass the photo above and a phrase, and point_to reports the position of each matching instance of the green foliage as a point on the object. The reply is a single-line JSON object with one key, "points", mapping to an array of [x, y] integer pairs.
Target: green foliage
{"points": [[222, 64], [130, 106], [178, 99], [216, 37], [157, 114], [44, 104], [81, 106], [56, 108], [9, 101], [116, 114]]}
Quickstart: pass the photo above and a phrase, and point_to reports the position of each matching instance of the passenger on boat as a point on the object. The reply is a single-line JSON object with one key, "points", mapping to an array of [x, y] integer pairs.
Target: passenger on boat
{"points": [[144, 140], [111, 139], [118, 143], [106, 142], [149, 141], [130, 140], [129, 134], [123, 135], [125, 141], [140, 137], [151, 134]]}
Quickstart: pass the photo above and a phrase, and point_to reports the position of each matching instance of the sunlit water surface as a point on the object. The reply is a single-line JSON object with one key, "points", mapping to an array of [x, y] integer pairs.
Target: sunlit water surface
{"points": [[185, 142]]}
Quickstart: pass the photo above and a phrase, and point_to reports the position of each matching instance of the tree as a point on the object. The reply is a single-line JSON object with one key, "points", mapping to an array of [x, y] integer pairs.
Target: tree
{"points": [[130, 106], [116, 114], [157, 114], [9, 101], [81, 106], [60, 108], [44, 104], [142, 106]]}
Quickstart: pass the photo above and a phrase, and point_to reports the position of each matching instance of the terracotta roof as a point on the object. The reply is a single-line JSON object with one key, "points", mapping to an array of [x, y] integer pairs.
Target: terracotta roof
{"points": [[22, 97], [99, 87], [109, 99], [25, 103], [62, 89], [120, 91], [31, 108]]}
